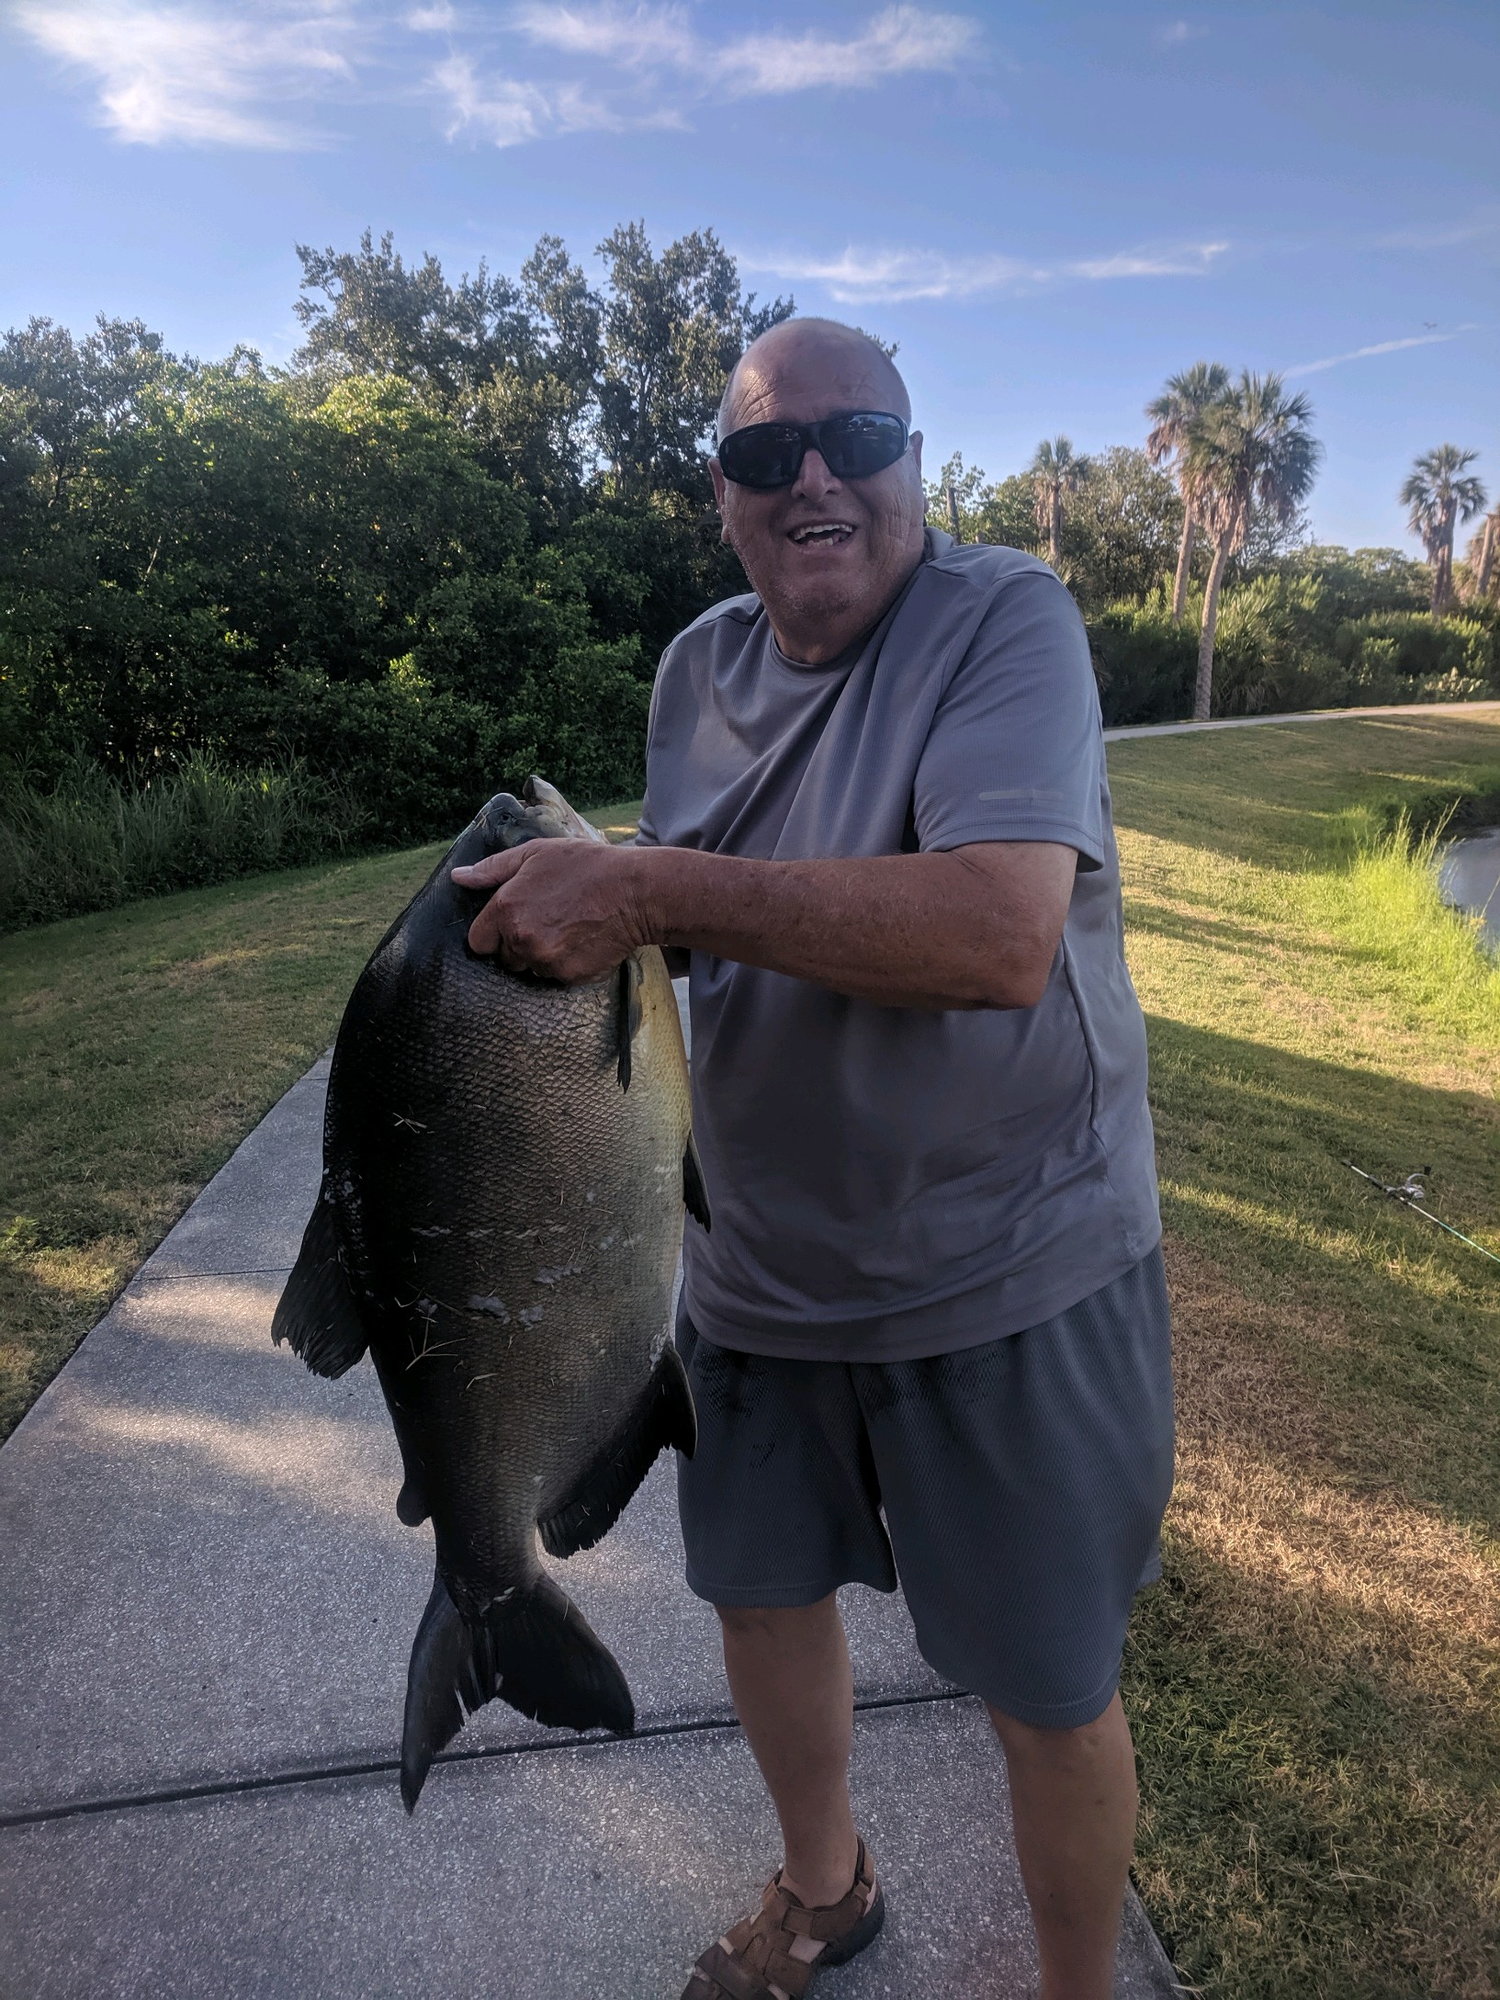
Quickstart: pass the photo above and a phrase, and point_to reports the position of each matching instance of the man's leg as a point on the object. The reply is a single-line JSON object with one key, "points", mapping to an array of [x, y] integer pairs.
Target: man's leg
{"points": [[793, 1691], [1073, 1800]]}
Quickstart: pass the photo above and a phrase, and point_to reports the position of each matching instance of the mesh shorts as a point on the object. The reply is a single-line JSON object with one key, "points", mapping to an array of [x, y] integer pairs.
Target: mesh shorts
{"points": [[1016, 1489]]}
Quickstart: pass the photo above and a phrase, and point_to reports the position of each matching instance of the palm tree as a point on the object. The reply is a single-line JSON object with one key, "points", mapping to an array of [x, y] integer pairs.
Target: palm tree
{"points": [[1055, 470], [1249, 453], [1482, 553], [1437, 498], [1173, 415]]}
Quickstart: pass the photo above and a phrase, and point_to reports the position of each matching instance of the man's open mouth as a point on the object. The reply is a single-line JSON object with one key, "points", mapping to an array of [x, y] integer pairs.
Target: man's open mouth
{"points": [[821, 534]]}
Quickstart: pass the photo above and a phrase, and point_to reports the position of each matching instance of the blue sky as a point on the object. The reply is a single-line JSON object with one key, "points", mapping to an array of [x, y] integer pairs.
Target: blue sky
{"points": [[1050, 208]]}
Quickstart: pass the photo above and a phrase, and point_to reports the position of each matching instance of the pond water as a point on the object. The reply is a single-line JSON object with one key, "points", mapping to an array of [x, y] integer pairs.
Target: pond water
{"points": [[1469, 871]]}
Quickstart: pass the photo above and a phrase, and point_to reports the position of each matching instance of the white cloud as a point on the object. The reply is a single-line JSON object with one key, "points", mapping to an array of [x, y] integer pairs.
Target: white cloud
{"points": [[859, 275], [1443, 235], [197, 73], [436, 20], [509, 111], [856, 275], [1175, 33], [1187, 260], [639, 36], [1379, 347], [899, 41]]}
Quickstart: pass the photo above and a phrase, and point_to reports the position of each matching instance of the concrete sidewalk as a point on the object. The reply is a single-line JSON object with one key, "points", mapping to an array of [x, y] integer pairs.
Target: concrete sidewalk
{"points": [[206, 1603]]}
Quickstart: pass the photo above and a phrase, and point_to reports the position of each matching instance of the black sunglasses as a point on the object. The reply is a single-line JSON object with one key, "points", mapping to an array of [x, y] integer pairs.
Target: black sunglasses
{"points": [[770, 455]]}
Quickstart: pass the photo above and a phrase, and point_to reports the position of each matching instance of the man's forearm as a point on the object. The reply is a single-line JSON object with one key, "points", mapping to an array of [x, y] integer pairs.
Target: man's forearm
{"points": [[904, 930]]}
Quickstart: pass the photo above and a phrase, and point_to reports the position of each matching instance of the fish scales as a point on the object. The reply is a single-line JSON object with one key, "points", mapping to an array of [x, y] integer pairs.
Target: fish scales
{"points": [[499, 1226]]}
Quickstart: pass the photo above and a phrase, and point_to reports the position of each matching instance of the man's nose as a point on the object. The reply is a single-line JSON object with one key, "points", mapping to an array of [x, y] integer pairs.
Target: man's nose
{"points": [[814, 480]]}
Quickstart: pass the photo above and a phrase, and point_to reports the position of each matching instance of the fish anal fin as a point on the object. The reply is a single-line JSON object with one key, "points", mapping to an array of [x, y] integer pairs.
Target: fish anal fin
{"points": [[316, 1314], [694, 1192], [663, 1416], [534, 1649]]}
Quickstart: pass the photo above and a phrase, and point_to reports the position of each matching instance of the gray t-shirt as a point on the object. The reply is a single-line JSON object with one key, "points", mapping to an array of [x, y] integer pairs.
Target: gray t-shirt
{"points": [[888, 1183]]}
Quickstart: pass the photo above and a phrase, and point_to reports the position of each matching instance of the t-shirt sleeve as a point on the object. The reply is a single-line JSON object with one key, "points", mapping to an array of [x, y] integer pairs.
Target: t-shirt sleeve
{"points": [[1015, 748], [646, 834]]}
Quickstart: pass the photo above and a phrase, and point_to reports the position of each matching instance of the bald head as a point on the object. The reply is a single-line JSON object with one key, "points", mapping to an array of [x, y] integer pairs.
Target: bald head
{"points": [[853, 372]]}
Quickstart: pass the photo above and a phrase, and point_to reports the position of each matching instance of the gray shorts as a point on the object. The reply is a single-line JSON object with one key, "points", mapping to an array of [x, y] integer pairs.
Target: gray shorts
{"points": [[1017, 1488]]}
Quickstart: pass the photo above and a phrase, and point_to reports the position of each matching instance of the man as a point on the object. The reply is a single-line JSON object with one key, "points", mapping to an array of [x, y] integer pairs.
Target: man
{"points": [[928, 1330]]}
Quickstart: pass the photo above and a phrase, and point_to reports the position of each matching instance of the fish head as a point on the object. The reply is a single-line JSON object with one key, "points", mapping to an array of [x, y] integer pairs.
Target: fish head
{"points": [[541, 813]]}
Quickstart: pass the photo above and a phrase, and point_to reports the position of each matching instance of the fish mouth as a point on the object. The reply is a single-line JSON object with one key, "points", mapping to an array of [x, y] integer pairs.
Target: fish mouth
{"points": [[541, 813], [508, 823]]}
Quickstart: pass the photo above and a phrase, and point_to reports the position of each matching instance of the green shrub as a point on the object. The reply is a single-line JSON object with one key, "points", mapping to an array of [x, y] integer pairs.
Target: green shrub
{"points": [[91, 841], [1145, 665], [1413, 643]]}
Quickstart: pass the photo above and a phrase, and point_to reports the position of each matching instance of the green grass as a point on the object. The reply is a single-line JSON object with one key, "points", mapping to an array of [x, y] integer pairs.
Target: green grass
{"points": [[1316, 1685]]}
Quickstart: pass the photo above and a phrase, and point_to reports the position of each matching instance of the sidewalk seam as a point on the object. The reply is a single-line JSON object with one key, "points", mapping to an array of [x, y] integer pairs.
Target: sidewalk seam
{"points": [[372, 1767]]}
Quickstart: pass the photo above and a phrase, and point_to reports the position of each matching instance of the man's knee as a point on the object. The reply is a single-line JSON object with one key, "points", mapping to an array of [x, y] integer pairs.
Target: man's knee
{"points": [[771, 1621], [1079, 1744]]}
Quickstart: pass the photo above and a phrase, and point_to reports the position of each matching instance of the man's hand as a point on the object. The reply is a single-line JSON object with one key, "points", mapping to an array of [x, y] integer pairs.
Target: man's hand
{"points": [[569, 909]]}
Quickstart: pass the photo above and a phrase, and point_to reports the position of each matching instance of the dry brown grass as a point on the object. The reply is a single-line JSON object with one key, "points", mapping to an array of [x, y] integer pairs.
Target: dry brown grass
{"points": [[1343, 1644]]}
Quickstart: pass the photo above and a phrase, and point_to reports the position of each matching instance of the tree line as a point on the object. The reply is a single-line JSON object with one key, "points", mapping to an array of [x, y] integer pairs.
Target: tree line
{"points": [[446, 544], [1241, 459]]}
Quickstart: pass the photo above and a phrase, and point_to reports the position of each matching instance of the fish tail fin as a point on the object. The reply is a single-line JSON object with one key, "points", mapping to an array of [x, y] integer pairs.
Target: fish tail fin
{"points": [[537, 1651], [602, 1491]]}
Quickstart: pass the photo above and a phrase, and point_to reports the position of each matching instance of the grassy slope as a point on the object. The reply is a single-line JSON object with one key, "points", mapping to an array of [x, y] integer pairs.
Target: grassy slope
{"points": [[1316, 1686]]}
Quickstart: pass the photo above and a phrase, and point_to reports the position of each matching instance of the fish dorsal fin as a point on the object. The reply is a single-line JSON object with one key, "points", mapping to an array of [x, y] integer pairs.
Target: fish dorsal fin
{"points": [[316, 1314]]}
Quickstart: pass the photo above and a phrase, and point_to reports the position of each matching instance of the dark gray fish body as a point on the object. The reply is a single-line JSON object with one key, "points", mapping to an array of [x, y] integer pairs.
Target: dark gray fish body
{"points": [[499, 1225]]}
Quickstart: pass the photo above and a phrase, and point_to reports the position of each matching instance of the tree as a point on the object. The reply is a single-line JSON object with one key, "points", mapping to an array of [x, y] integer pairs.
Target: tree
{"points": [[956, 497], [673, 327], [1249, 453], [1173, 414], [1056, 469], [1482, 553], [1437, 495], [1122, 528]]}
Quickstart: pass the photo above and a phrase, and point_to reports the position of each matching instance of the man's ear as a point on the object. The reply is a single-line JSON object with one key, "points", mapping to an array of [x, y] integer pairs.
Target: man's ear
{"points": [[914, 442], [716, 474]]}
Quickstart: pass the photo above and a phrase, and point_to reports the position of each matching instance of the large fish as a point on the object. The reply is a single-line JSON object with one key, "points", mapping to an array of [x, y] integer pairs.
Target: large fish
{"points": [[505, 1162]]}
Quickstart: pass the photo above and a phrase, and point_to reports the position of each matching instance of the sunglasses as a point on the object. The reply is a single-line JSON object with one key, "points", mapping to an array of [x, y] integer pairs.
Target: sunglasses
{"points": [[766, 456]]}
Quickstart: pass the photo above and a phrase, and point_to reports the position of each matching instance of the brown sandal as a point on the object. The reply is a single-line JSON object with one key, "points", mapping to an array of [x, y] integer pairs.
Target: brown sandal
{"points": [[754, 1960]]}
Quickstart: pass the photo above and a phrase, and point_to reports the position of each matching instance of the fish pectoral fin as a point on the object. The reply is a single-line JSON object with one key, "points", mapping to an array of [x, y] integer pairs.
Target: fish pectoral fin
{"points": [[664, 1415], [694, 1193], [316, 1314], [535, 1650], [629, 1018]]}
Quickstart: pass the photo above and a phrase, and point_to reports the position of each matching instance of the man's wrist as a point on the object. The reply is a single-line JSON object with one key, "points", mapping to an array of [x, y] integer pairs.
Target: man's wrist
{"points": [[674, 891]]}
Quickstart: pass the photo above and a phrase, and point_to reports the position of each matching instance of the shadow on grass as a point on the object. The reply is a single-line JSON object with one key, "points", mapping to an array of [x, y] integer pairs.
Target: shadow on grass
{"points": [[1251, 1143], [1315, 1821]]}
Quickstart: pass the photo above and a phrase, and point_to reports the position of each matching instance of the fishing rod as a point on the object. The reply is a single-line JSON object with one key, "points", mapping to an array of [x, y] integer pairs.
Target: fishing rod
{"points": [[1411, 1194]]}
